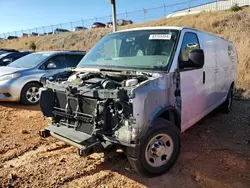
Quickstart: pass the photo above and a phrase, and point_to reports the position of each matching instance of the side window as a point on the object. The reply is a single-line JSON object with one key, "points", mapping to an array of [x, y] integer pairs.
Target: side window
{"points": [[16, 56], [56, 62], [73, 60], [190, 42]]}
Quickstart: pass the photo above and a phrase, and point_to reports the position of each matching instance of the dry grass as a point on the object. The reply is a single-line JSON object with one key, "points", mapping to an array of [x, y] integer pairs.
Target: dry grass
{"points": [[229, 25]]}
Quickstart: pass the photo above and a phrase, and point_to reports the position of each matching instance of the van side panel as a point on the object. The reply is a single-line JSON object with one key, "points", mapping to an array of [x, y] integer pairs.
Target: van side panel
{"points": [[220, 72], [226, 59], [209, 47], [234, 69]]}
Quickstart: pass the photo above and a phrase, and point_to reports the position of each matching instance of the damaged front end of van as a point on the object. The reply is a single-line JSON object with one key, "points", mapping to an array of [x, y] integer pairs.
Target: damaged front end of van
{"points": [[122, 93], [101, 108]]}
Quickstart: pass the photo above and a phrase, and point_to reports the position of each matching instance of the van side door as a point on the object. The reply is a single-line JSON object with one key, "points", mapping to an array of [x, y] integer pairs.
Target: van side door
{"points": [[223, 67], [192, 83], [209, 44]]}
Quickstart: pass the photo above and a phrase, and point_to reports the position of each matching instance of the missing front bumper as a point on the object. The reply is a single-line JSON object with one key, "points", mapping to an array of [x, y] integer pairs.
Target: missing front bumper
{"points": [[84, 142]]}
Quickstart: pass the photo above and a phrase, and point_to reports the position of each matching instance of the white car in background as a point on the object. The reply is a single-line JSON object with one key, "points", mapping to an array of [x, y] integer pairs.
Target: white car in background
{"points": [[184, 13], [57, 31], [79, 28]]}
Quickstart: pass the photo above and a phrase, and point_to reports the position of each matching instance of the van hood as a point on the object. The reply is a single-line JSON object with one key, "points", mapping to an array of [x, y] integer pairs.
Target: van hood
{"points": [[9, 70]]}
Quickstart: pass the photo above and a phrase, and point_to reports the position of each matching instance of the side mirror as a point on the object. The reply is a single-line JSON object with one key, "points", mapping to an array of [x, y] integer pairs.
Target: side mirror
{"points": [[51, 65], [196, 59], [7, 61]]}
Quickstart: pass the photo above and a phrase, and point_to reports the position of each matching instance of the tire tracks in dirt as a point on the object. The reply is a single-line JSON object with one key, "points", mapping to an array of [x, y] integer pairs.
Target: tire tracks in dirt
{"points": [[217, 148], [97, 163]]}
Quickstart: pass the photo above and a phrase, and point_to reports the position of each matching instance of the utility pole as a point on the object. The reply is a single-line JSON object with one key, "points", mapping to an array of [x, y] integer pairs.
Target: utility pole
{"points": [[164, 10], [71, 26], [82, 22], [145, 11], [113, 3]]}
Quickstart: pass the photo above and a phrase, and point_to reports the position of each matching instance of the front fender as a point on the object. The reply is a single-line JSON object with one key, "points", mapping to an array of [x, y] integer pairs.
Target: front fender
{"points": [[157, 112], [19, 83], [150, 98]]}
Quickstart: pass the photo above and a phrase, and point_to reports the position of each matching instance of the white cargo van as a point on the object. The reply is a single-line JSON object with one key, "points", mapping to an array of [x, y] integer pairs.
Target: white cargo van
{"points": [[138, 89]]}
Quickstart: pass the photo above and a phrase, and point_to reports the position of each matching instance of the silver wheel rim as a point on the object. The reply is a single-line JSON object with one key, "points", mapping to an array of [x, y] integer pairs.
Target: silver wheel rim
{"points": [[159, 150], [33, 95]]}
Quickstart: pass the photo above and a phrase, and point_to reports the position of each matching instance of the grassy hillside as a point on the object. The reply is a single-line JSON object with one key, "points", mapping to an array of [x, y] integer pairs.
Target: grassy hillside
{"points": [[234, 26]]}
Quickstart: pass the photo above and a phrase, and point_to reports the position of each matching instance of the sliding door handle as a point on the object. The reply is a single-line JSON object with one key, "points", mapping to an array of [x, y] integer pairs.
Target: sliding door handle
{"points": [[204, 77]]}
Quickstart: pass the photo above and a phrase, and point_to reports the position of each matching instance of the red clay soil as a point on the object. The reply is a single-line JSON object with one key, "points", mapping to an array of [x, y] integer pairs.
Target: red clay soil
{"points": [[215, 153]]}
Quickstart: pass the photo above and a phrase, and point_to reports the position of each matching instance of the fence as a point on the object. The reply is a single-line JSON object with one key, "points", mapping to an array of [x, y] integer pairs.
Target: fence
{"points": [[143, 15], [217, 5]]}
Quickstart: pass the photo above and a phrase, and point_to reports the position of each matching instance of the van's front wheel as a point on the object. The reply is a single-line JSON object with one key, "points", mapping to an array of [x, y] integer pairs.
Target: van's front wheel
{"points": [[157, 151]]}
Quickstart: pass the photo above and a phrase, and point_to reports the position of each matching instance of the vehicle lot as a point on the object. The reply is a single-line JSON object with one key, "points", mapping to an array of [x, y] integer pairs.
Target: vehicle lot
{"points": [[215, 153]]}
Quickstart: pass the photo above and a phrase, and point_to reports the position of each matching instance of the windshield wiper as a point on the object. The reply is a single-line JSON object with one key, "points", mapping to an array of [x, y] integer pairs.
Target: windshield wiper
{"points": [[14, 66], [108, 58]]}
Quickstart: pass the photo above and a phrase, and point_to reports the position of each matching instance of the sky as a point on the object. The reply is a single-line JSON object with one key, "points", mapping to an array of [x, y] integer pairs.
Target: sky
{"points": [[17, 15]]}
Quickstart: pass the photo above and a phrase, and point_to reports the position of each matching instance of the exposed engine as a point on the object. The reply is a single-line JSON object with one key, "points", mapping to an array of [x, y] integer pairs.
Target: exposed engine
{"points": [[92, 103]]}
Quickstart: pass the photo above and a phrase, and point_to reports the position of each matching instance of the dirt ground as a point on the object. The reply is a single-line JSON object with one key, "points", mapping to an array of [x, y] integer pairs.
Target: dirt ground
{"points": [[215, 153]]}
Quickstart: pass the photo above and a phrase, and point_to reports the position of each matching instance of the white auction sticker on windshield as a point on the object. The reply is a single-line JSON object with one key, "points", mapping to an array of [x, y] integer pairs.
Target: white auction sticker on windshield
{"points": [[160, 37]]}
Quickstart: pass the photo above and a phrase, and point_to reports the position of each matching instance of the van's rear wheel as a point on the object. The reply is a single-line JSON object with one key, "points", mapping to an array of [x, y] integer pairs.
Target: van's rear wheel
{"points": [[30, 94], [157, 151], [227, 105]]}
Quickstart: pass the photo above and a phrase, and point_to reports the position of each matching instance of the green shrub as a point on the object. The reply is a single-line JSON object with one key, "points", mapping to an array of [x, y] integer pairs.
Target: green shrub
{"points": [[32, 46], [235, 8]]}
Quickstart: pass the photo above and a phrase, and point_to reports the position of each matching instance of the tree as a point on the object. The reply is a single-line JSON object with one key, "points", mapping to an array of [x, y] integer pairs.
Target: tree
{"points": [[32, 46], [235, 8]]}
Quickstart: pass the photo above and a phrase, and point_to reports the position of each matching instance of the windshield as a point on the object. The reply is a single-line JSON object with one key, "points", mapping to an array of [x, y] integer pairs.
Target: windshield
{"points": [[144, 49], [29, 61]]}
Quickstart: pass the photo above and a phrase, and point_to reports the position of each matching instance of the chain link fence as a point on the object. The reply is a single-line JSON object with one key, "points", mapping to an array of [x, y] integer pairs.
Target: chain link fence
{"points": [[139, 16]]}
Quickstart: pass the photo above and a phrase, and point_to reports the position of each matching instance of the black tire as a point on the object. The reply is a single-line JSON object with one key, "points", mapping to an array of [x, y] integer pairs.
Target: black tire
{"points": [[137, 155], [24, 99], [227, 105]]}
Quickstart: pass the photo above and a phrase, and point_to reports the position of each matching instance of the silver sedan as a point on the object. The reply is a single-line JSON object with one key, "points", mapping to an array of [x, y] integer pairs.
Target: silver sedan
{"points": [[19, 81]]}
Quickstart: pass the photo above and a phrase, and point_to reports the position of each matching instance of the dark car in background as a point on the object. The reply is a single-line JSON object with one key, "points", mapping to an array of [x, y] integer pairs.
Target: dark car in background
{"points": [[58, 31], [33, 34], [98, 25], [124, 22], [5, 50], [9, 57], [109, 24], [12, 37], [49, 33]]}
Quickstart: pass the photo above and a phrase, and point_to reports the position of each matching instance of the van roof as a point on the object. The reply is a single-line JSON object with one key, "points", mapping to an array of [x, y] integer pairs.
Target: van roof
{"points": [[169, 27], [151, 28]]}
